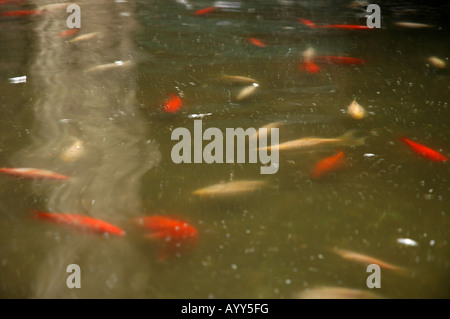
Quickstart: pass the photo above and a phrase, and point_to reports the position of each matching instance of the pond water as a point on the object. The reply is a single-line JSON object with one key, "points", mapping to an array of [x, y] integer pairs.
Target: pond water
{"points": [[83, 114]]}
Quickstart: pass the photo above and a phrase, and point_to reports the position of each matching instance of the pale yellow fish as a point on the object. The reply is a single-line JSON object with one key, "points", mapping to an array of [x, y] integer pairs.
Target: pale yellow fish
{"points": [[85, 37], [347, 138], [55, 6], [437, 62], [356, 111], [109, 66], [74, 151], [366, 260], [413, 25], [330, 292], [268, 127], [308, 55], [246, 92], [230, 188], [239, 79]]}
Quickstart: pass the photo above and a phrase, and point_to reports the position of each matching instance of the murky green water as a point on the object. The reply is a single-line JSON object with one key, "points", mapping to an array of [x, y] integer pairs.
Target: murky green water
{"points": [[273, 243]]}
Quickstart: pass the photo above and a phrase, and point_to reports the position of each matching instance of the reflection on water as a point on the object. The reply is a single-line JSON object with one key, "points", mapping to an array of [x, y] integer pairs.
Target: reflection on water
{"points": [[87, 125], [91, 108]]}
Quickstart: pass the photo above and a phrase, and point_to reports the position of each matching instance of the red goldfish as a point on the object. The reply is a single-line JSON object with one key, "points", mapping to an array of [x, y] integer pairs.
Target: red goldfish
{"points": [[333, 26], [32, 173], [175, 235], [425, 151], [204, 11], [81, 222], [173, 104], [310, 67], [256, 42], [328, 164], [19, 13], [339, 59], [68, 33]]}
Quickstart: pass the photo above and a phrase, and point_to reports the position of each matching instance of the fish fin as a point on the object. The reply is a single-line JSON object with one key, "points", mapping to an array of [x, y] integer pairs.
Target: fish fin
{"points": [[350, 138]]}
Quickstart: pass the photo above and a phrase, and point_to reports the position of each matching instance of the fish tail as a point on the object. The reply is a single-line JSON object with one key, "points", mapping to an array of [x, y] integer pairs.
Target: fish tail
{"points": [[350, 138]]}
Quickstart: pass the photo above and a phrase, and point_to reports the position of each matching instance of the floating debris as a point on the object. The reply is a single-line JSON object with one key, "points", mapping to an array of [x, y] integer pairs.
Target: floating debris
{"points": [[18, 79], [407, 242]]}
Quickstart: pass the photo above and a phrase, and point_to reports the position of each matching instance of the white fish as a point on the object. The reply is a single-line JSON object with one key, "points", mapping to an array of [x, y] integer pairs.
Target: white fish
{"points": [[74, 151], [109, 66], [347, 138], [85, 37], [356, 111], [412, 25], [329, 292], [437, 62], [308, 55], [230, 188], [366, 260], [246, 92], [239, 79], [268, 127]]}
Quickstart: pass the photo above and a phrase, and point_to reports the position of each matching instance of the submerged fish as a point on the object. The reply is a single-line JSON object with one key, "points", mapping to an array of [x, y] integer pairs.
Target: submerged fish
{"points": [[80, 221], [413, 25], [310, 67], [33, 173], [173, 104], [176, 236], [204, 11], [68, 33], [230, 188], [334, 26], [239, 79], [268, 130], [328, 165], [339, 59], [330, 292], [74, 151], [347, 138], [85, 37], [20, 13], [356, 111], [437, 62], [109, 66], [256, 42], [366, 260], [246, 92], [425, 151]]}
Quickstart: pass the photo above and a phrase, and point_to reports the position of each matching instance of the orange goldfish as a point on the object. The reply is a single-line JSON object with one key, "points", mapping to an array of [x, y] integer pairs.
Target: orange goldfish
{"points": [[310, 67], [256, 42], [175, 235], [32, 173], [364, 259], [328, 164], [204, 11], [80, 221], [425, 151], [173, 104]]}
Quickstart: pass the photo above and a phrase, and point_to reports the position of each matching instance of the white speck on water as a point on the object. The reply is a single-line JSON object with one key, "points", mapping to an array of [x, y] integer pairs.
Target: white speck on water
{"points": [[288, 281], [369, 155], [18, 79], [234, 266], [432, 242]]}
